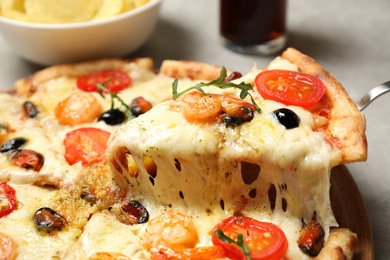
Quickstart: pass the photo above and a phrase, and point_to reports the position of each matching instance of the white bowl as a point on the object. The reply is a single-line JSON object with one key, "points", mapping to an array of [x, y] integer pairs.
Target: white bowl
{"points": [[49, 44]]}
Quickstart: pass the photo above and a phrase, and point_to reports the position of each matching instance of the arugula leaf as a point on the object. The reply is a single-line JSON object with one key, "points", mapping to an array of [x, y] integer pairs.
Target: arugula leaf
{"points": [[240, 242], [3, 126], [220, 83], [101, 88]]}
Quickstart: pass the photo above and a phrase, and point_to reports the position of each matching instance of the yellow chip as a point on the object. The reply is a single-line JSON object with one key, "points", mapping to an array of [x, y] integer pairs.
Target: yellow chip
{"points": [[13, 9], [109, 8], [15, 15], [15, 5], [61, 11]]}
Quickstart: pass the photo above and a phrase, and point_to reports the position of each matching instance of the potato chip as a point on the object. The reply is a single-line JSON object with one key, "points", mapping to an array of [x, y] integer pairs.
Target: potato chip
{"points": [[15, 5], [65, 11], [15, 15], [109, 8], [61, 11], [13, 9]]}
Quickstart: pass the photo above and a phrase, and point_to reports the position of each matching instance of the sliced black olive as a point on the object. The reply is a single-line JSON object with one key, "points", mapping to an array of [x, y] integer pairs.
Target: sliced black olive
{"points": [[287, 118], [113, 117], [238, 116], [140, 106], [47, 219], [233, 76], [30, 109], [311, 238], [135, 212], [27, 159], [13, 144]]}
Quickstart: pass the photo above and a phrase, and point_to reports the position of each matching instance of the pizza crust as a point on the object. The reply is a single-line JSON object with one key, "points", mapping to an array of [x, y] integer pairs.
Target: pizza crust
{"points": [[347, 124], [190, 69], [340, 245], [28, 86]]}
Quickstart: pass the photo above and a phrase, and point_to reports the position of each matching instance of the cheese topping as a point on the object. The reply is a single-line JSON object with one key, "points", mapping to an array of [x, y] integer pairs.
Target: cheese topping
{"points": [[259, 168], [45, 134], [31, 243], [104, 233], [209, 171], [55, 171]]}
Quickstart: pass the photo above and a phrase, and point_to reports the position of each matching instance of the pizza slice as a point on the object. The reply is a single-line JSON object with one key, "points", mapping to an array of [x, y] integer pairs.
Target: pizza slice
{"points": [[347, 125], [216, 163]]}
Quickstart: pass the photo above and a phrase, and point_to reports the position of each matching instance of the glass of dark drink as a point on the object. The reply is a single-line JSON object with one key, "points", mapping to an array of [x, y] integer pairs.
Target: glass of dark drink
{"points": [[253, 26]]}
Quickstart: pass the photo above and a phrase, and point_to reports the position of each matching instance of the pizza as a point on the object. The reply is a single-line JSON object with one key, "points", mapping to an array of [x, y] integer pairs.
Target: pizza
{"points": [[113, 159]]}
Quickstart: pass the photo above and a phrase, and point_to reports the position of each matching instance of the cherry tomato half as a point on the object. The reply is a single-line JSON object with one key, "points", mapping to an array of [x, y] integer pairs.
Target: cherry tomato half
{"points": [[265, 241], [116, 81], [86, 145], [290, 87], [7, 193]]}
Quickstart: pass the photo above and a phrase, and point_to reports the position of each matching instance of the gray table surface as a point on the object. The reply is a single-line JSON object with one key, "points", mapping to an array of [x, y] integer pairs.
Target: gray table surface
{"points": [[350, 38]]}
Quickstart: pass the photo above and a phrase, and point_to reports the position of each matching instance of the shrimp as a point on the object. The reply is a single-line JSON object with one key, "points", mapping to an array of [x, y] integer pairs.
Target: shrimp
{"points": [[206, 108], [78, 108], [199, 107], [172, 235], [172, 228]]}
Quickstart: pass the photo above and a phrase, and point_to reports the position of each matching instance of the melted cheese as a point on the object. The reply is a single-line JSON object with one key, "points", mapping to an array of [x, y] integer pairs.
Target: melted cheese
{"points": [[55, 170], [153, 88], [45, 134], [32, 244], [104, 233], [202, 168]]}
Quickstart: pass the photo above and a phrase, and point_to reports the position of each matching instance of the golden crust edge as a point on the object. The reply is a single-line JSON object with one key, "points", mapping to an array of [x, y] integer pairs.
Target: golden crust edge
{"points": [[347, 123], [340, 245], [190, 69], [172, 68], [27, 86]]}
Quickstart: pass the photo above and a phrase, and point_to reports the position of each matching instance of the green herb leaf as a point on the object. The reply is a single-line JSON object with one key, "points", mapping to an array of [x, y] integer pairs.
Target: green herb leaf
{"points": [[240, 242], [220, 83], [101, 88], [3, 126]]}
